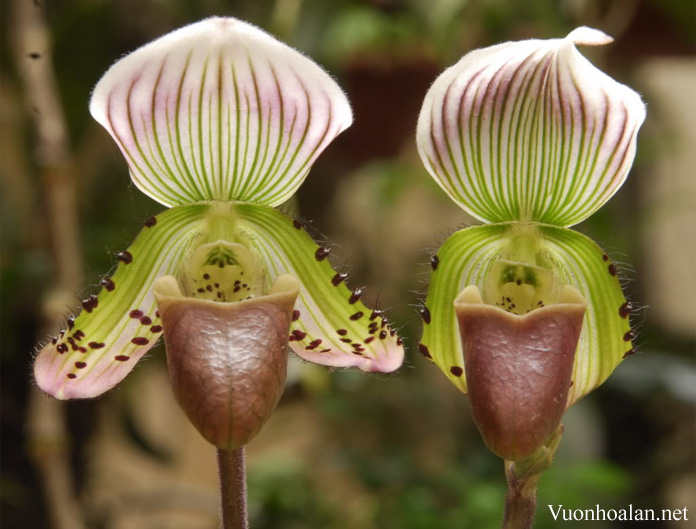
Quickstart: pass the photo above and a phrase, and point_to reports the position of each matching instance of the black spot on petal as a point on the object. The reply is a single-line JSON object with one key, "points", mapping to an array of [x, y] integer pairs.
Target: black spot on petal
{"points": [[425, 314], [456, 371], [338, 279], [90, 303], [140, 340], [423, 349], [121, 358], [136, 314], [355, 296], [295, 315], [299, 335], [356, 316]]}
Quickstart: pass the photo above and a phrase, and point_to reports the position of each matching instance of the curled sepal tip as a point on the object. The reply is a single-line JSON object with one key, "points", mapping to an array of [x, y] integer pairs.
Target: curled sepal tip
{"points": [[518, 368], [331, 325], [119, 325], [238, 349], [219, 110], [530, 131]]}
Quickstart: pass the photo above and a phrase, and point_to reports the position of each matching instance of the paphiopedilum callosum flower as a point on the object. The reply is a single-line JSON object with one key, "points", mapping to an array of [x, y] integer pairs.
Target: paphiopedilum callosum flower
{"points": [[524, 314], [219, 122]]}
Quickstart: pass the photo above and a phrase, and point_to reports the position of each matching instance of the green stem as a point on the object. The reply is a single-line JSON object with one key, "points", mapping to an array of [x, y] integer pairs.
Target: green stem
{"points": [[523, 477], [233, 488], [520, 500]]}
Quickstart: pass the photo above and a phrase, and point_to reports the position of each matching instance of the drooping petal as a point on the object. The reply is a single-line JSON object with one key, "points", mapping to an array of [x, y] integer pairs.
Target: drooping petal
{"points": [[331, 325], [530, 131], [606, 336], [464, 259], [219, 110], [117, 327]]}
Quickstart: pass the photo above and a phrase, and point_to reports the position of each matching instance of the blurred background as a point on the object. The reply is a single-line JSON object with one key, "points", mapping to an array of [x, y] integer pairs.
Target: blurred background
{"points": [[344, 450]]}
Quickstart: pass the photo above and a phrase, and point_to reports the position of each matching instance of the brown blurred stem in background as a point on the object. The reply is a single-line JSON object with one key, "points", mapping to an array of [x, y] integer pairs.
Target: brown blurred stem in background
{"points": [[47, 437]]}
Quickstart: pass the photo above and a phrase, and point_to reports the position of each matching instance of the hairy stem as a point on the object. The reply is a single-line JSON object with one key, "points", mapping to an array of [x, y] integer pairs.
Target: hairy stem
{"points": [[233, 488], [522, 478], [520, 500]]}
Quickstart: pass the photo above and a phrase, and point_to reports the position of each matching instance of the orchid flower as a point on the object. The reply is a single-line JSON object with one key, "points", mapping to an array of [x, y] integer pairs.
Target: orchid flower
{"points": [[523, 314], [219, 122]]}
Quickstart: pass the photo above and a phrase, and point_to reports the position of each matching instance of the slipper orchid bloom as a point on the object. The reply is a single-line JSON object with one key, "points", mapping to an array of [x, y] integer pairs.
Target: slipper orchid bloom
{"points": [[523, 314], [219, 122]]}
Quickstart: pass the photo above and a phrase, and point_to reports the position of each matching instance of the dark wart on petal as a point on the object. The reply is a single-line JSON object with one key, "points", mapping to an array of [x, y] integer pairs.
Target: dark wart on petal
{"points": [[425, 314], [612, 269], [295, 315], [125, 257], [628, 353], [140, 340], [434, 261], [355, 296], [149, 223], [338, 279], [108, 284], [625, 310], [90, 303], [629, 336], [456, 371], [424, 350], [321, 253]]}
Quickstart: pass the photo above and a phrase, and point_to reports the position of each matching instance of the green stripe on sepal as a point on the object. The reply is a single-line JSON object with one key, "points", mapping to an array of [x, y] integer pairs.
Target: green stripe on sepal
{"points": [[606, 334], [219, 110], [331, 325], [464, 259], [530, 131], [118, 326]]}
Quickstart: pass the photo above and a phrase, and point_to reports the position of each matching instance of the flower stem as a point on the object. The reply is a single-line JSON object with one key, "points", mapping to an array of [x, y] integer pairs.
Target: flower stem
{"points": [[233, 488], [523, 477], [520, 500]]}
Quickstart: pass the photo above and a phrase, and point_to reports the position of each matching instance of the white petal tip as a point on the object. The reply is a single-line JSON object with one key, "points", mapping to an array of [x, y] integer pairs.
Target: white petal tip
{"points": [[584, 36]]}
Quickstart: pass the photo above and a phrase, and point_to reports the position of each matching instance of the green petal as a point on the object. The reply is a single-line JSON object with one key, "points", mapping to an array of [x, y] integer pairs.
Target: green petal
{"points": [[530, 131], [464, 259], [219, 110], [606, 334], [468, 255], [331, 325], [117, 327]]}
